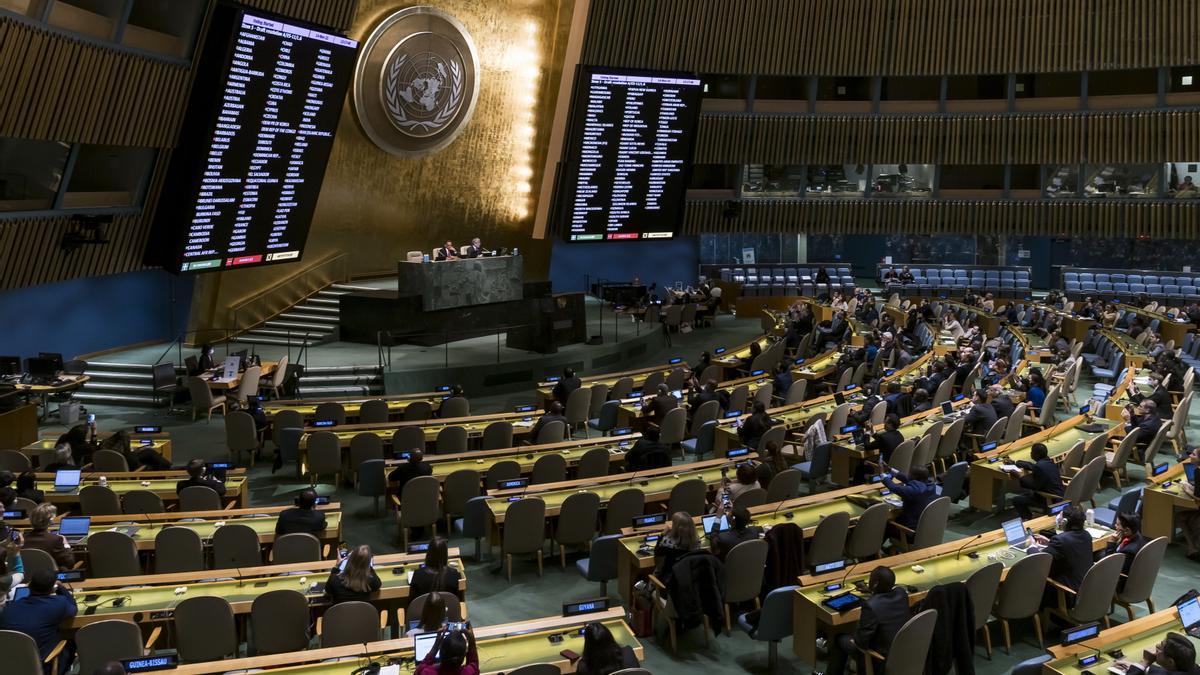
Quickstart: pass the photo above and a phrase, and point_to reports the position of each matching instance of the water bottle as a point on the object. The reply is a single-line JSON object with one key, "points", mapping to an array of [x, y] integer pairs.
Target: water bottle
{"points": [[103, 481], [1091, 517]]}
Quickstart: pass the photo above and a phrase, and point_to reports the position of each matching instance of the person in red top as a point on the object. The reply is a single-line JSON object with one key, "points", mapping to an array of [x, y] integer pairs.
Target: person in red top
{"points": [[458, 655]]}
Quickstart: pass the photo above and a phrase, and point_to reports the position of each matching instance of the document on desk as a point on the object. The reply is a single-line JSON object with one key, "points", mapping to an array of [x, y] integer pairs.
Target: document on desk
{"points": [[1010, 468]]}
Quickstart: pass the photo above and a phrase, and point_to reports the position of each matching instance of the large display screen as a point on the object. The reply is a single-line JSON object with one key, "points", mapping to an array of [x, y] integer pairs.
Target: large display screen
{"points": [[242, 186], [629, 158]]}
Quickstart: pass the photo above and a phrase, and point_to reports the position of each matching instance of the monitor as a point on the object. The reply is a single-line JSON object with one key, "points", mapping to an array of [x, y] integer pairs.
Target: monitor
{"points": [[1189, 613], [422, 644], [524, 408], [67, 478], [52, 356], [74, 526], [830, 567], [1085, 409], [147, 429], [242, 185], [677, 359], [652, 519], [710, 523], [71, 576], [849, 428], [839, 398], [324, 423], [442, 388], [1189, 470], [1014, 531], [418, 547], [13, 514], [947, 407], [622, 431], [40, 368], [756, 373], [1160, 469], [10, 365]]}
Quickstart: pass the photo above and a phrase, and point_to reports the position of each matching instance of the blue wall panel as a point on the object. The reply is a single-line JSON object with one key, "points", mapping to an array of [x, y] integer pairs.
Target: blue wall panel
{"points": [[662, 262], [92, 314]]}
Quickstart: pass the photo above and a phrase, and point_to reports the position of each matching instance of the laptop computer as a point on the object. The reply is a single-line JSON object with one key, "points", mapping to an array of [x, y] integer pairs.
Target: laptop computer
{"points": [[1016, 536], [1189, 616], [423, 644], [711, 524], [74, 528], [67, 480]]}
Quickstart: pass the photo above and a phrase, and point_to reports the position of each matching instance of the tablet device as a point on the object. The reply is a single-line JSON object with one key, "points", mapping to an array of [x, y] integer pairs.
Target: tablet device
{"points": [[842, 603]]}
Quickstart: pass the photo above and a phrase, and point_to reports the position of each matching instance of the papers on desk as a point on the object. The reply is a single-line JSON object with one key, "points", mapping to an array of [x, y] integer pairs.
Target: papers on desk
{"points": [[1097, 533], [1010, 468], [523, 425]]}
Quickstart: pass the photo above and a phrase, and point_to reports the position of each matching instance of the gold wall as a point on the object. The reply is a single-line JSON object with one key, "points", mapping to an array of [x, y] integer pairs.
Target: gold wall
{"points": [[375, 207]]}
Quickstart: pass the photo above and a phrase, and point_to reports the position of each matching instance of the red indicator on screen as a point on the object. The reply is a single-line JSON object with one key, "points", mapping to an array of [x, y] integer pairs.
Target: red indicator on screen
{"points": [[243, 260], [628, 235]]}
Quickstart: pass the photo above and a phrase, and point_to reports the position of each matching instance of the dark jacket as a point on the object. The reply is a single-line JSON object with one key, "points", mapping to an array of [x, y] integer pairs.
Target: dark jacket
{"points": [[628, 660], [697, 589], [1147, 426], [337, 591], [33, 494], [425, 581], [754, 427], [444, 253], [1072, 552], [406, 472], [542, 422], [1162, 399], [647, 454], [148, 457], [1043, 476], [725, 541], [564, 387], [211, 483], [915, 495], [782, 382], [659, 406], [39, 616], [980, 419], [785, 556], [953, 642], [297, 519], [886, 443], [51, 543], [701, 397], [1003, 405], [882, 616], [1130, 549]]}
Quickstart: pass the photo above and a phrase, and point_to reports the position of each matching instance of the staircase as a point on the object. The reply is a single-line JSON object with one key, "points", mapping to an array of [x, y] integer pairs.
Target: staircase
{"points": [[317, 316], [341, 381], [121, 384]]}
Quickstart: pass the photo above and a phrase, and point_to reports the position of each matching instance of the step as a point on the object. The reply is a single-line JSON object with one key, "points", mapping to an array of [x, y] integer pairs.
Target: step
{"points": [[94, 385], [350, 288], [306, 392], [145, 377], [312, 308], [116, 399], [247, 338], [117, 366], [330, 380], [299, 328], [318, 300], [368, 368], [317, 319]]}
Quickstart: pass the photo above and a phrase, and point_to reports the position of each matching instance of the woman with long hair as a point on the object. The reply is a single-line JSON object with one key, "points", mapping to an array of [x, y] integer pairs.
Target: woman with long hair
{"points": [[354, 578], [601, 653], [678, 539], [453, 653], [436, 574]]}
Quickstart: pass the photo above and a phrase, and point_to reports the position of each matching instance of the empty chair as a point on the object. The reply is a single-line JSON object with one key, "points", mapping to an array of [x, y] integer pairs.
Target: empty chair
{"points": [[785, 485], [16, 462], [910, 647], [364, 446], [743, 574], [524, 531], [241, 434], [867, 536], [420, 505], [203, 399], [287, 440], [549, 468], [576, 522], [599, 392], [113, 554], [1143, 571], [374, 411], [579, 404], [236, 546], [98, 500], [829, 539], [417, 411], [750, 498], [498, 435], [407, 439], [110, 461], [297, 547], [331, 410], [451, 440], [453, 407], [324, 457], [249, 385], [372, 480], [142, 502], [506, 469], [103, 641], [688, 496], [816, 468], [199, 498], [606, 418], [953, 481], [623, 507], [350, 623], [982, 586], [738, 398], [279, 622], [178, 549], [601, 563], [21, 654], [1020, 595], [593, 464], [459, 488], [622, 389], [476, 523], [774, 623]]}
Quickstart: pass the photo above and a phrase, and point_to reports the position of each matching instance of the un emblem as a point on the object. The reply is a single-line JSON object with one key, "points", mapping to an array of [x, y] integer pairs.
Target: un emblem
{"points": [[416, 82]]}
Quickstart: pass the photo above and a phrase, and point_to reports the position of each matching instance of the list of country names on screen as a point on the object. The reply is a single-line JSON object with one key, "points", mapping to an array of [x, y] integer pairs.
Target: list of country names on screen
{"points": [[632, 155], [279, 107]]}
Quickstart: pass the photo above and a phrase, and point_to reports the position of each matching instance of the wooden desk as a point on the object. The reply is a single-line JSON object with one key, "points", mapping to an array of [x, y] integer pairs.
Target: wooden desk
{"points": [[307, 407], [501, 649], [1168, 328], [1132, 638], [522, 422], [545, 390], [18, 426], [846, 456], [43, 392], [526, 456], [212, 377], [160, 442], [1161, 498], [162, 483], [945, 563]]}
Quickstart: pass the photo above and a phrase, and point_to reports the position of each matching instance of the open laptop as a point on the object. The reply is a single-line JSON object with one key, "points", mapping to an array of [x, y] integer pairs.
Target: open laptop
{"points": [[713, 523], [1189, 616], [1016, 536], [74, 528], [423, 644], [67, 480]]}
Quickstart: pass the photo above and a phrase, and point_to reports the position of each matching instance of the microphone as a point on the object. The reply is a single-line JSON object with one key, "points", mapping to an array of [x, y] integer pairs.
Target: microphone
{"points": [[241, 580], [969, 541], [777, 508]]}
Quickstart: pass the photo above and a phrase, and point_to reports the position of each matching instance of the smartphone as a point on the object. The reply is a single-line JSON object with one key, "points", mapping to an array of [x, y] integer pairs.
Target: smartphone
{"points": [[555, 638], [91, 418], [569, 655]]}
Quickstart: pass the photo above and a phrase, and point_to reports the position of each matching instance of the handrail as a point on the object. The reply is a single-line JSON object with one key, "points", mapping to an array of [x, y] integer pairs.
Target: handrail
{"points": [[446, 334], [292, 289], [251, 297]]}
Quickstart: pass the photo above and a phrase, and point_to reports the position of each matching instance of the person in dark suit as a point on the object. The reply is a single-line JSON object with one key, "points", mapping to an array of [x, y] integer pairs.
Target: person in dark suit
{"points": [[739, 530], [303, 517], [447, 252], [1001, 403], [554, 413], [885, 442], [1145, 419], [662, 403], [1071, 550], [39, 614], [563, 388], [1127, 539], [1041, 476], [782, 380], [475, 250], [882, 616], [981, 416], [647, 452], [1174, 655], [707, 393], [755, 425], [1160, 396], [915, 490], [415, 466], [195, 470]]}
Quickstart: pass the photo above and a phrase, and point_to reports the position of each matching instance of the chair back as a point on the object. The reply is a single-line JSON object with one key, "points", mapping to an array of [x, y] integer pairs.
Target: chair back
{"points": [[822, 457], [942, 393], [1147, 562], [112, 554], [652, 381], [1074, 457], [996, 433], [287, 439], [1046, 418], [775, 622], [36, 559], [417, 411], [751, 498], [1098, 446], [199, 498], [548, 668], [506, 469], [673, 427], [286, 419], [405, 439], [141, 502], [1096, 592], [420, 503], [622, 389], [837, 420], [707, 412], [279, 622], [1015, 421], [844, 378], [688, 496], [99, 500], [1124, 449], [1020, 595], [796, 392], [477, 518], [202, 396], [785, 485], [178, 549], [706, 438], [743, 570], [867, 536], [577, 519], [910, 647], [602, 559], [932, 523], [878, 413], [454, 407], [599, 392], [111, 461], [331, 410], [764, 392], [551, 432], [902, 456], [236, 546], [324, 453], [248, 386], [20, 653], [775, 434], [923, 454], [982, 586], [349, 623], [14, 461], [593, 464], [365, 446], [579, 404], [459, 488], [524, 525], [451, 440], [606, 420], [1155, 444], [498, 435], [372, 478], [953, 481], [297, 547], [623, 507], [103, 641], [738, 397], [1083, 486], [241, 434], [374, 411], [453, 606], [829, 539], [549, 468]]}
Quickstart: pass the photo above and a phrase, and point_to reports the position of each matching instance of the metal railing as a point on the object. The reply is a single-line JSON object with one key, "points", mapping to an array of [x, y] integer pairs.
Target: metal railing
{"points": [[385, 340], [226, 336]]}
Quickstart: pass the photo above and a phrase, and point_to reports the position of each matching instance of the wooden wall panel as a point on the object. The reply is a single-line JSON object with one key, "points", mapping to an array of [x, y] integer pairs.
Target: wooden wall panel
{"points": [[337, 14], [900, 37], [1052, 138], [32, 255], [878, 216]]}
